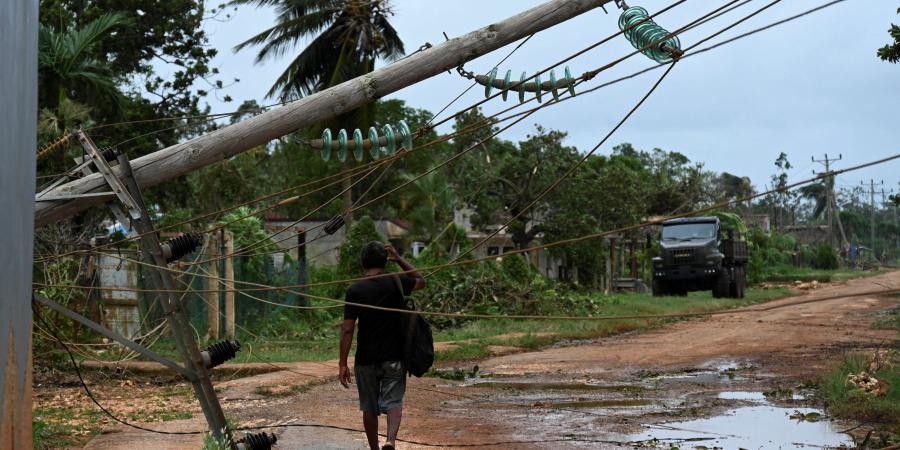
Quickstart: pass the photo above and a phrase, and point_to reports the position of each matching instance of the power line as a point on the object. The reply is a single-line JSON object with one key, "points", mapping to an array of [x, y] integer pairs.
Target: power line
{"points": [[526, 114]]}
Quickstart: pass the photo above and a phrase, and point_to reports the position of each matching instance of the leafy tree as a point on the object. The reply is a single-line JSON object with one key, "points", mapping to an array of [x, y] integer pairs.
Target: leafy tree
{"points": [[782, 200], [520, 178], [471, 174], [731, 187], [679, 184], [249, 231], [169, 33], [430, 205], [608, 192], [891, 52], [349, 36]]}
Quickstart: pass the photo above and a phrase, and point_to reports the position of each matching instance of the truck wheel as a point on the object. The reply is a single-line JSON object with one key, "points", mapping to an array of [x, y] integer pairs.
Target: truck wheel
{"points": [[657, 288], [734, 286], [723, 285]]}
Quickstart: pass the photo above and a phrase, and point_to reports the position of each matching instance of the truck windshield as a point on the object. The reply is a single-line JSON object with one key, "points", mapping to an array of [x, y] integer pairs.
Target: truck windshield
{"points": [[688, 231]]}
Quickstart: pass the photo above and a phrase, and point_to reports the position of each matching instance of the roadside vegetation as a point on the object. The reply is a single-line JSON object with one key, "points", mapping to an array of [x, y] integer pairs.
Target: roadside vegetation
{"points": [[865, 387]]}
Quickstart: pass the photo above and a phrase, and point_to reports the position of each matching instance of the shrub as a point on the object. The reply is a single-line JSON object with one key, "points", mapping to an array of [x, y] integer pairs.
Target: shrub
{"points": [[825, 257], [517, 268], [769, 253]]}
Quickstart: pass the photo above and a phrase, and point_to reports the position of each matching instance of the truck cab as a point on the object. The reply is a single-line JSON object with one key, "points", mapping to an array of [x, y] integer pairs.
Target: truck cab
{"points": [[696, 256]]}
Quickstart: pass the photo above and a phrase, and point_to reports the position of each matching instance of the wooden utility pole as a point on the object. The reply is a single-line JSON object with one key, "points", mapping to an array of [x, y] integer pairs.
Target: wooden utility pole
{"points": [[18, 117], [186, 157], [228, 238], [212, 286]]}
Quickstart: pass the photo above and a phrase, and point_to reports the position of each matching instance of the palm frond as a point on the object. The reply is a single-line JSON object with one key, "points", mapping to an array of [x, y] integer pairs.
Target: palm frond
{"points": [[350, 35], [392, 45], [90, 34]]}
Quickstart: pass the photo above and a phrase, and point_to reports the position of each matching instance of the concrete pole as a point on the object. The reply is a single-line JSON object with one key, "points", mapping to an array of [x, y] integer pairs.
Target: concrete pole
{"points": [[18, 95]]}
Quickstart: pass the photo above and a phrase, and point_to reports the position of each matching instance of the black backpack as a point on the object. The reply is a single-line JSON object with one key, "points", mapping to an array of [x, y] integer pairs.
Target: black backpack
{"points": [[419, 348]]}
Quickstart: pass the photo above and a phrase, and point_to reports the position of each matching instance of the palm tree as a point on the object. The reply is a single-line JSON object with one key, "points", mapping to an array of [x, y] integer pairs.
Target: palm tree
{"points": [[67, 69], [818, 194], [349, 36]]}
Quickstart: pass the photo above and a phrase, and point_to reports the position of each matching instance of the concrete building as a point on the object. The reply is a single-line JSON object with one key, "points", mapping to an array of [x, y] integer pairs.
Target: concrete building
{"points": [[324, 249]]}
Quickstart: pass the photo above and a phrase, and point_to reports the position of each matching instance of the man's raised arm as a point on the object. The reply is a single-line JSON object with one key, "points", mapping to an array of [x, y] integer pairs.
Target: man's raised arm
{"points": [[406, 266]]}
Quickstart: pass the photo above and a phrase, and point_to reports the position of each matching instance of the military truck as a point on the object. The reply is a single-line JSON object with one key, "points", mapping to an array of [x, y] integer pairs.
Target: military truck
{"points": [[696, 255]]}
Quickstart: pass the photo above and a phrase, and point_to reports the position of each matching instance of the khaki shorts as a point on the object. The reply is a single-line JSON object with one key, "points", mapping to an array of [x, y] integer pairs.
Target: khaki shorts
{"points": [[381, 386]]}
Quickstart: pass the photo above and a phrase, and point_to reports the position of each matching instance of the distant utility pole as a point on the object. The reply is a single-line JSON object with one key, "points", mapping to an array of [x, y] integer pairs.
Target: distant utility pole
{"points": [[886, 203], [829, 193], [18, 95], [872, 214]]}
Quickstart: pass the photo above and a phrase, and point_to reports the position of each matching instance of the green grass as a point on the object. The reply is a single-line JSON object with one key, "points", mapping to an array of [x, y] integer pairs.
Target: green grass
{"points": [[484, 331], [890, 320], [464, 351], [325, 344], [846, 401], [58, 427], [790, 274]]}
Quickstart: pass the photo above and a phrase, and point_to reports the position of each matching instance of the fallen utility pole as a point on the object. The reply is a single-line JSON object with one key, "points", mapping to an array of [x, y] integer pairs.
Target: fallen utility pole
{"points": [[127, 190], [181, 159]]}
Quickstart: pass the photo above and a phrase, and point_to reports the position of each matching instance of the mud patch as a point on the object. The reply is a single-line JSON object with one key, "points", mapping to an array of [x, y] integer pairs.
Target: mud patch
{"points": [[551, 386], [610, 403]]}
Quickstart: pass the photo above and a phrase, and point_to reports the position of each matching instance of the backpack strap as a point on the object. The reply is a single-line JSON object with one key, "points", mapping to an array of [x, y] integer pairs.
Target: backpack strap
{"points": [[410, 304]]}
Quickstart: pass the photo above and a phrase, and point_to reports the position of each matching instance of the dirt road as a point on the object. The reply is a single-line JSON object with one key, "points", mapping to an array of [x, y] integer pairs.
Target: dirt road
{"points": [[605, 393]]}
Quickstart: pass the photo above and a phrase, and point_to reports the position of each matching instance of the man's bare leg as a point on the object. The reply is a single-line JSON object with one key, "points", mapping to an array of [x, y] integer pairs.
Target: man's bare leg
{"points": [[393, 424], [370, 423]]}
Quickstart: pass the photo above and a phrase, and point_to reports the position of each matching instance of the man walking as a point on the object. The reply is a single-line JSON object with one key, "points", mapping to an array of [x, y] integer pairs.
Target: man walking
{"points": [[378, 364]]}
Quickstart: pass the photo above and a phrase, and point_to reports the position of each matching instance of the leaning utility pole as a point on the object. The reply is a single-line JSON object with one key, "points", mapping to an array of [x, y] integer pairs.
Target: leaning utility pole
{"points": [[18, 119], [829, 194], [180, 159]]}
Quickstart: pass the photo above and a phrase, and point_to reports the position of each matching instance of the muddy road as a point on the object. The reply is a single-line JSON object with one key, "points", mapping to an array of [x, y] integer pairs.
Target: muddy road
{"points": [[733, 380]]}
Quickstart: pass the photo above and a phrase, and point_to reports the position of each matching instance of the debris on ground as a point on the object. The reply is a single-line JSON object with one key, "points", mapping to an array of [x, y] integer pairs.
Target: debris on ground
{"points": [[806, 286], [868, 384]]}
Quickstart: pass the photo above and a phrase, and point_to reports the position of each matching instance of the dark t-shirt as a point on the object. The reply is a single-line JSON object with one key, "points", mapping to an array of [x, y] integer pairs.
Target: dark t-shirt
{"points": [[380, 337]]}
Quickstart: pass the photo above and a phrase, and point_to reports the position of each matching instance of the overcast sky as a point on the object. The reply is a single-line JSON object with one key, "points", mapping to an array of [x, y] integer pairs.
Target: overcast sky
{"points": [[810, 87]]}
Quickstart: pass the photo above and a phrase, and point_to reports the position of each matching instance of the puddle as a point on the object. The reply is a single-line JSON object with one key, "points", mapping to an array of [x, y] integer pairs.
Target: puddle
{"points": [[616, 403], [752, 427], [522, 386]]}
